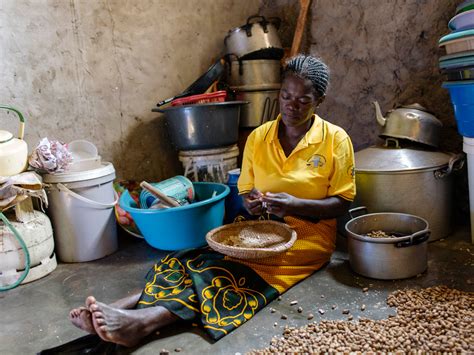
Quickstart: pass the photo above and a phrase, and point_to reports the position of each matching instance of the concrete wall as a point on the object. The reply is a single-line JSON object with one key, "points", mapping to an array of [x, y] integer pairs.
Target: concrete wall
{"points": [[94, 69]]}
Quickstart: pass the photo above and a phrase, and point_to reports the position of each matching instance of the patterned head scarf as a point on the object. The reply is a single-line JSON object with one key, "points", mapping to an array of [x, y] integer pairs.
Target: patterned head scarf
{"points": [[312, 68]]}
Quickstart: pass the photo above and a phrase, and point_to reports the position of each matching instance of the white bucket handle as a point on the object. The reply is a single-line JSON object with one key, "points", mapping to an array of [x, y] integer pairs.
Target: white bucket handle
{"points": [[63, 188]]}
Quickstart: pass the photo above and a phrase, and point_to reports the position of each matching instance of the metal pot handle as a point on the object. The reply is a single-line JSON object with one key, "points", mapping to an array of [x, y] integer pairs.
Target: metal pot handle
{"points": [[248, 26], [455, 163], [415, 239], [358, 209]]}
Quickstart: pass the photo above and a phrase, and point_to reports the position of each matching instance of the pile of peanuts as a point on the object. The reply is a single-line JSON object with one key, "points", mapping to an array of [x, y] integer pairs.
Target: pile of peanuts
{"points": [[436, 319]]}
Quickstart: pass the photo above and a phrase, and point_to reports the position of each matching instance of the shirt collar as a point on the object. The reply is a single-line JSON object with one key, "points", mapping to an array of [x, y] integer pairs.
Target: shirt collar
{"points": [[313, 136]]}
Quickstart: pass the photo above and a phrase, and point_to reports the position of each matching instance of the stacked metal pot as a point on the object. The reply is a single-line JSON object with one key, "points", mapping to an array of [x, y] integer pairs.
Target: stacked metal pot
{"points": [[408, 174], [254, 52], [407, 187]]}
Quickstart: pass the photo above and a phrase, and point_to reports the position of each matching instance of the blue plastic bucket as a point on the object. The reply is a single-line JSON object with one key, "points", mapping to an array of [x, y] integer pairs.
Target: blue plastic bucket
{"points": [[462, 98], [180, 227]]}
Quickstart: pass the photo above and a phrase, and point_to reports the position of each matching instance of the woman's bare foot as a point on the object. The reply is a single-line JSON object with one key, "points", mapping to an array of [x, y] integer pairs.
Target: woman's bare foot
{"points": [[126, 326], [81, 317]]}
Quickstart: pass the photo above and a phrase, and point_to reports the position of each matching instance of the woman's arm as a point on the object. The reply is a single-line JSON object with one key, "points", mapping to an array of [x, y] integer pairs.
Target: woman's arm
{"points": [[283, 204]]}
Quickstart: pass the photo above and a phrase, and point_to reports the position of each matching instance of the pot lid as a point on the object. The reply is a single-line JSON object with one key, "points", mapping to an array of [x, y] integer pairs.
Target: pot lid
{"points": [[5, 136], [383, 159]]}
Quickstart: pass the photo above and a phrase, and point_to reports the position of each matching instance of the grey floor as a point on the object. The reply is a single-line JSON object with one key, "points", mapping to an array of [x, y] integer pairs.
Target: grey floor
{"points": [[34, 316]]}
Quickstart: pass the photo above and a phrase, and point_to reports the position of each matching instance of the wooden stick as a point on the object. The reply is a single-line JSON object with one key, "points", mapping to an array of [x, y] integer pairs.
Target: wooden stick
{"points": [[300, 25], [157, 193]]}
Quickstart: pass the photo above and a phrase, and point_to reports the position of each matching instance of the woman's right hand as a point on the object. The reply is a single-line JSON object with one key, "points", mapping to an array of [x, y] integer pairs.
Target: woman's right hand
{"points": [[252, 202]]}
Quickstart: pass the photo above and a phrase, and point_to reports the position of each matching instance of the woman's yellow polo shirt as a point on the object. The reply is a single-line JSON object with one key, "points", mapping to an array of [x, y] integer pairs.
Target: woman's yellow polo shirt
{"points": [[321, 165]]}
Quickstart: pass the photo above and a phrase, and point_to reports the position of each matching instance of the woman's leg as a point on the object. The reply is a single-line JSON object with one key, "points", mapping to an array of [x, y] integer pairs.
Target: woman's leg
{"points": [[81, 317], [127, 326]]}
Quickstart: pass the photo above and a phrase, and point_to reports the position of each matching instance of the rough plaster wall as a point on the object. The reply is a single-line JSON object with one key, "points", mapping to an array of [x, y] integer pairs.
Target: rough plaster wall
{"points": [[94, 69]]}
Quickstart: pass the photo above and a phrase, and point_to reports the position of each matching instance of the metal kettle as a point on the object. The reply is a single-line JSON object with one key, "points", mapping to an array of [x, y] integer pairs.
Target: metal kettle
{"points": [[13, 151], [412, 122]]}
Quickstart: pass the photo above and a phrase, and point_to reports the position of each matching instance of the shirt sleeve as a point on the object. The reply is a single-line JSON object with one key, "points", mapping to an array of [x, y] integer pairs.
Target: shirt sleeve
{"points": [[246, 180], [342, 182]]}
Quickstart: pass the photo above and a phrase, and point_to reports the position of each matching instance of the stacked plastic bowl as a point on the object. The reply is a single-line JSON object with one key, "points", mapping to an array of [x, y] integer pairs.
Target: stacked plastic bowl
{"points": [[458, 67]]}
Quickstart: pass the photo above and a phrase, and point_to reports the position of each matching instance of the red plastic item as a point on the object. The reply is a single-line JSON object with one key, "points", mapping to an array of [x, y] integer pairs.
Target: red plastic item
{"points": [[218, 96]]}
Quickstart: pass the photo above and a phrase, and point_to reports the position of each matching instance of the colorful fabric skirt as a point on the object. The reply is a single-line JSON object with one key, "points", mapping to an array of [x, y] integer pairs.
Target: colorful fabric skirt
{"points": [[221, 293]]}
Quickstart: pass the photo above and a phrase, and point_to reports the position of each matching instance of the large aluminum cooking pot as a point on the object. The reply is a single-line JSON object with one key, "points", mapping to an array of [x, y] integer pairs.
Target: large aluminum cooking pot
{"points": [[203, 126], [257, 39], [263, 106], [406, 180], [388, 258], [259, 74], [412, 122]]}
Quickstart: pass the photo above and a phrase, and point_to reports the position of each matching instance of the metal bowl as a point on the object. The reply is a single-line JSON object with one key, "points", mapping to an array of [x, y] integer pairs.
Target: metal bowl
{"points": [[203, 126]]}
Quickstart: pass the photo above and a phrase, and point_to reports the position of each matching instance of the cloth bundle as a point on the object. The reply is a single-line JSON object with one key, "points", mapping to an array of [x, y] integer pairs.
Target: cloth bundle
{"points": [[50, 156], [16, 188]]}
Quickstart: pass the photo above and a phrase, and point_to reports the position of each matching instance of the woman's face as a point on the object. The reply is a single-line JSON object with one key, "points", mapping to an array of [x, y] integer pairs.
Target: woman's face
{"points": [[297, 100]]}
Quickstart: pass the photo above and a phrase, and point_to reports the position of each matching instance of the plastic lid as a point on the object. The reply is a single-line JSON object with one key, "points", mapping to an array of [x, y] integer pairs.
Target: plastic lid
{"points": [[462, 21], [106, 169], [382, 159], [464, 6], [456, 35]]}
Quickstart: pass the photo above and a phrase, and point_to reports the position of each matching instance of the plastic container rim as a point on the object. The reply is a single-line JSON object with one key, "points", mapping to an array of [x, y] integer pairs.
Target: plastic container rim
{"points": [[174, 209]]}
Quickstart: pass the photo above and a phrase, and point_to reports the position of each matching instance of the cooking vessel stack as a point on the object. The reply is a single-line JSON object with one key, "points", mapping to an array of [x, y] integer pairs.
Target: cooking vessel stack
{"points": [[408, 174], [253, 53], [458, 67]]}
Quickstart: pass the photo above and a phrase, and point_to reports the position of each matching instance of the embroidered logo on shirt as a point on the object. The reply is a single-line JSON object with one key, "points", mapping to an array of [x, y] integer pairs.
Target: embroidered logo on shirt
{"points": [[351, 171], [316, 161]]}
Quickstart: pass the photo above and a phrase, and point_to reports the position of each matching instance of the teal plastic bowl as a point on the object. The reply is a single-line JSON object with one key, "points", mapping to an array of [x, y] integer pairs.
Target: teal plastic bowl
{"points": [[180, 227]]}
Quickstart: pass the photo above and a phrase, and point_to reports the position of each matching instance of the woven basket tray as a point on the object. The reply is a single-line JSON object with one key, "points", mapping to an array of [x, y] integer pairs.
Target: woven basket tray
{"points": [[251, 239]]}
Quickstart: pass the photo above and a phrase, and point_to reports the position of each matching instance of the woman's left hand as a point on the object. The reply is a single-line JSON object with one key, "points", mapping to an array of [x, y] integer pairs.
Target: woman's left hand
{"points": [[280, 204]]}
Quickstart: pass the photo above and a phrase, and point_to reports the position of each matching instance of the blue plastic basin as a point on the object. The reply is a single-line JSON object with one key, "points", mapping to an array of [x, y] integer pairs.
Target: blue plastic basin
{"points": [[462, 98], [180, 227]]}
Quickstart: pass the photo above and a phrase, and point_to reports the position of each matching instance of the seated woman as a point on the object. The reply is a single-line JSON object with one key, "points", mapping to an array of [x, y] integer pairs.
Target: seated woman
{"points": [[298, 167]]}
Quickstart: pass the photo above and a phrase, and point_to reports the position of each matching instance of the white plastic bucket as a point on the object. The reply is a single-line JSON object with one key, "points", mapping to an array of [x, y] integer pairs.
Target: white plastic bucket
{"points": [[209, 165], [468, 148], [81, 207]]}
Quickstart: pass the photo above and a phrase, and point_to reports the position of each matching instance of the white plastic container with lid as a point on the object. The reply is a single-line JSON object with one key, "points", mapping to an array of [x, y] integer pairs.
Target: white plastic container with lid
{"points": [[81, 207]]}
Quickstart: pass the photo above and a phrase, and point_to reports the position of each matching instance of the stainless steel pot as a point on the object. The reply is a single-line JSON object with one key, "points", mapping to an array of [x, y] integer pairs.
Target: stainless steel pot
{"points": [[412, 181], [263, 106], [203, 126], [388, 258], [249, 75], [257, 39]]}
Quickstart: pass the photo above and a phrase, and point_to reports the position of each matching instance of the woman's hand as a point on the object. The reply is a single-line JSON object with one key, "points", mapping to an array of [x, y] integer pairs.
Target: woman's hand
{"points": [[252, 202], [280, 204]]}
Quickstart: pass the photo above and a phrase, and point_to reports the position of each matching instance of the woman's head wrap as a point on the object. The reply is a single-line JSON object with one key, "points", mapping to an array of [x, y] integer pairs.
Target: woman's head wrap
{"points": [[311, 68]]}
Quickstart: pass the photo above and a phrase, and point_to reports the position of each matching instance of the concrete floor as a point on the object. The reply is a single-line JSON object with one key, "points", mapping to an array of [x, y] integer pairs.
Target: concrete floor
{"points": [[34, 316]]}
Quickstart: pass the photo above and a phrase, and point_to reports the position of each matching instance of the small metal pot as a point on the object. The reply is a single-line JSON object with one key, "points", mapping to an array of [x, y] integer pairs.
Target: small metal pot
{"points": [[249, 75], [257, 39], [387, 258], [203, 126]]}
